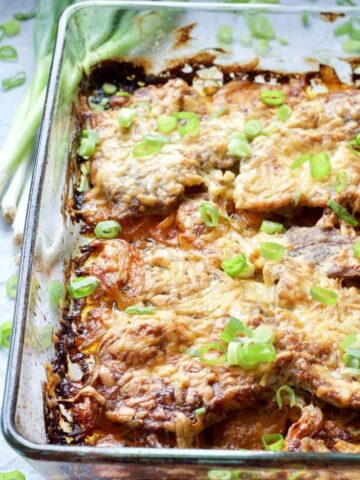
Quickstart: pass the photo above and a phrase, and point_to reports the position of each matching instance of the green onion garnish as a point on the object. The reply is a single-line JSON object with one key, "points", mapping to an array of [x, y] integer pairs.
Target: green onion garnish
{"points": [[273, 442], [21, 16], [232, 328], [126, 117], [166, 123], [88, 142], [199, 412], [349, 341], [234, 266], [224, 34], [142, 109], [220, 475], [107, 229], [352, 358], [7, 52], [320, 166], [11, 286], [283, 113], [250, 355], [189, 123], [356, 249], [343, 29], [252, 129], [340, 182], [272, 251], [5, 334], [260, 27], [11, 28], [239, 148], [272, 97], [297, 196], [354, 145], [287, 390], [147, 147], [83, 286], [272, 227], [263, 334], [15, 81], [14, 475], [211, 347], [301, 160], [109, 88], [122, 93], [209, 214], [323, 295], [351, 46], [139, 310], [342, 213]]}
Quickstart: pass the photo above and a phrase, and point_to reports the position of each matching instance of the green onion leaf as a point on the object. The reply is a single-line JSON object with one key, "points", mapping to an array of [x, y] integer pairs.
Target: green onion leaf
{"points": [[14, 475], [189, 123], [354, 146], [260, 27], [343, 29], [342, 213], [224, 34], [272, 227], [297, 196], [87, 148], [323, 295], [122, 93], [142, 109], [234, 266], [147, 147], [232, 328], [252, 354], [199, 412], [252, 129], [351, 358], [126, 117], [356, 249], [166, 123], [220, 475], [287, 390], [139, 310], [272, 251], [273, 442], [209, 214], [320, 166], [212, 347], [11, 286], [238, 147], [283, 113], [348, 341], [107, 229], [340, 182], [263, 334], [24, 16], [109, 88], [83, 286], [7, 52], [272, 97], [15, 81], [12, 28], [5, 334]]}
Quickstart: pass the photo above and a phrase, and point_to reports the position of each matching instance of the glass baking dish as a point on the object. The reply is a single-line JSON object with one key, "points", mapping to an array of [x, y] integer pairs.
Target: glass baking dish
{"points": [[308, 41]]}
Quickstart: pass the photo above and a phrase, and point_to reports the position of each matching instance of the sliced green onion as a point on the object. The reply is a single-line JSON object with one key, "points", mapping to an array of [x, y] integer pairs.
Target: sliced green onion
{"points": [[297, 196], [189, 123], [320, 166], [209, 214], [234, 266], [238, 148], [272, 227], [273, 442], [84, 185], [11, 286], [224, 34], [107, 229], [263, 334], [210, 347], [356, 249], [12, 28], [147, 147], [349, 341], [7, 52], [248, 270], [272, 251], [57, 293], [122, 93], [199, 412], [15, 81], [260, 27], [96, 105], [87, 148], [232, 354], [252, 129], [92, 134], [219, 475], [126, 117], [24, 16], [139, 310], [343, 29], [5, 334], [272, 128], [340, 182], [109, 88], [83, 286], [142, 109], [350, 359], [283, 113], [323, 295], [14, 475], [252, 354], [166, 123], [288, 391], [354, 146], [351, 46], [232, 328], [272, 97], [342, 213]]}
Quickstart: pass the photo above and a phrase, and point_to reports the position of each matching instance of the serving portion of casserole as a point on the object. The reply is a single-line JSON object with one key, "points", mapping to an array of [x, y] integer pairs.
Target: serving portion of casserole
{"points": [[216, 304]]}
